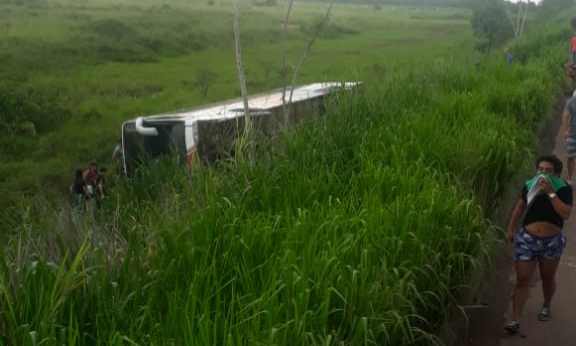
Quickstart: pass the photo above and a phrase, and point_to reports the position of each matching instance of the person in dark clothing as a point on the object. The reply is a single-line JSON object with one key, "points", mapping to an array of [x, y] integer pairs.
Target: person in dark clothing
{"points": [[79, 190], [545, 203], [90, 177], [100, 183]]}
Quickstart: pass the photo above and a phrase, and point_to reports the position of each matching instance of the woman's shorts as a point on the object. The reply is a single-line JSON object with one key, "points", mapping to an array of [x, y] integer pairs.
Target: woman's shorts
{"points": [[531, 248], [570, 145]]}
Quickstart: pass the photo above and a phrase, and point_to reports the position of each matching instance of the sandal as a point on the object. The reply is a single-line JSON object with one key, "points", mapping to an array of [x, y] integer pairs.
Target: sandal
{"points": [[544, 314], [512, 327]]}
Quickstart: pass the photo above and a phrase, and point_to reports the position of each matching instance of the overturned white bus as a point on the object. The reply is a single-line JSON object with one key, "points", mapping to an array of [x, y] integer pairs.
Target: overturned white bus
{"points": [[204, 132]]}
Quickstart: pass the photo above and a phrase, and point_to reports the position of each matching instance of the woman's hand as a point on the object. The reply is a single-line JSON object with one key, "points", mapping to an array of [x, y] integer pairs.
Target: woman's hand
{"points": [[510, 235], [545, 185]]}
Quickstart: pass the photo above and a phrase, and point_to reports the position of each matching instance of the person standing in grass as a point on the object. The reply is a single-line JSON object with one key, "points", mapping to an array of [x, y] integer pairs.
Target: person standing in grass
{"points": [[573, 49], [570, 71], [79, 191], [509, 56], [100, 194], [117, 157], [90, 175], [569, 129], [540, 241]]}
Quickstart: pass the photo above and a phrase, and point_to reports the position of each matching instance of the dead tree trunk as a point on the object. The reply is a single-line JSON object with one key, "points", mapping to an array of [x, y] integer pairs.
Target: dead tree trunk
{"points": [[285, 110], [521, 16], [283, 71], [524, 16], [247, 133], [308, 47]]}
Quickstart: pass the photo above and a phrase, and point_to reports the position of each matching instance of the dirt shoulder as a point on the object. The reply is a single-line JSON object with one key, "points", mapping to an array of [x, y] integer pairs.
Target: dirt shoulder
{"points": [[487, 318]]}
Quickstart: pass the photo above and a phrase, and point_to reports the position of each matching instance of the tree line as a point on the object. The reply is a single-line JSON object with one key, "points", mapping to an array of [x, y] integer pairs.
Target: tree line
{"points": [[495, 22], [421, 3]]}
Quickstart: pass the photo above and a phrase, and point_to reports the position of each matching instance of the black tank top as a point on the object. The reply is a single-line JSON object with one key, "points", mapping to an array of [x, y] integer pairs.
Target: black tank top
{"points": [[542, 209]]}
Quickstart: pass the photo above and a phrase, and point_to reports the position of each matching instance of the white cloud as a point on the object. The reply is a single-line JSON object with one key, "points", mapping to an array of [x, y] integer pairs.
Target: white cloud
{"points": [[532, 1]]}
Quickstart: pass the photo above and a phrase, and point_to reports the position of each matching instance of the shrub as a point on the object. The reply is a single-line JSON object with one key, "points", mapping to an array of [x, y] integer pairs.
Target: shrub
{"points": [[30, 110]]}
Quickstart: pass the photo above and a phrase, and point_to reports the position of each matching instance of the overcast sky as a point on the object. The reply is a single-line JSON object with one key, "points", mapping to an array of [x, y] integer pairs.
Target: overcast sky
{"points": [[535, 1]]}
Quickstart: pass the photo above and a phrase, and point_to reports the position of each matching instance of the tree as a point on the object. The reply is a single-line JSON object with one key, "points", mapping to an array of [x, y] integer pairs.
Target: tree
{"points": [[317, 28], [28, 110], [519, 20], [246, 138], [490, 23], [242, 79], [550, 8]]}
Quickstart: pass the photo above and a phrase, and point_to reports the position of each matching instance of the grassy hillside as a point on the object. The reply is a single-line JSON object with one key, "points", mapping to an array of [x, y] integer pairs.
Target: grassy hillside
{"points": [[342, 237], [84, 67], [367, 229]]}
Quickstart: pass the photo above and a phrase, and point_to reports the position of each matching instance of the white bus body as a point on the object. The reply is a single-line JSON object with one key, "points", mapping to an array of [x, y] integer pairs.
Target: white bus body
{"points": [[202, 133]]}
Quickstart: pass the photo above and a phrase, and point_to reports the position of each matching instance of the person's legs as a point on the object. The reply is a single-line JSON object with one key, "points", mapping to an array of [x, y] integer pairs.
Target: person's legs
{"points": [[524, 272], [548, 266], [570, 158], [570, 169], [526, 256], [79, 201]]}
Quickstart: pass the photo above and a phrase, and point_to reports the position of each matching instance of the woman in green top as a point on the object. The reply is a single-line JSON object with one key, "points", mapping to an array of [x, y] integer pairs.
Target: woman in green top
{"points": [[540, 241]]}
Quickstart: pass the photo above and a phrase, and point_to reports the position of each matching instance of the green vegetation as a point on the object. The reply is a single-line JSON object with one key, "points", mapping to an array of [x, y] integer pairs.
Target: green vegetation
{"points": [[364, 229], [360, 236], [103, 62], [490, 22]]}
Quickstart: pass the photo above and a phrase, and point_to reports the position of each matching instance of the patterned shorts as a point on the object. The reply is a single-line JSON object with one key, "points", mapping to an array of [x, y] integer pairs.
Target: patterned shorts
{"points": [[531, 248], [570, 147]]}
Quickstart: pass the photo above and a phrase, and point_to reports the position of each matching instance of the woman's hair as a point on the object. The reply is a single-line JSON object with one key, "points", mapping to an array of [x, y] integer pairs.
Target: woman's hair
{"points": [[554, 160]]}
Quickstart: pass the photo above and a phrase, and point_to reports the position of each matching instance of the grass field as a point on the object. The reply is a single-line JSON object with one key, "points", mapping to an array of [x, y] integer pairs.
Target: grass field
{"points": [[369, 229], [106, 62]]}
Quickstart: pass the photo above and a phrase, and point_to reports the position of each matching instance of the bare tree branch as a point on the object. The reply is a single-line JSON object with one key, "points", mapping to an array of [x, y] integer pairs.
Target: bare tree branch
{"points": [[521, 16], [517, 25], [283, 71], [309, 46], [247, 123], [524, 16]]}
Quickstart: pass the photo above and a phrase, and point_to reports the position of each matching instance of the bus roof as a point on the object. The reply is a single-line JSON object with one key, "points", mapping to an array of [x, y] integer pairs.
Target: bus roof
{"points": [[259, 103]]}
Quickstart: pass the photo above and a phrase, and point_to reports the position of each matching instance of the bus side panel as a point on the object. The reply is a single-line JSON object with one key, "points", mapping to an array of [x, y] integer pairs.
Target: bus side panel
{"points": [[139, 149], [217, 139]]}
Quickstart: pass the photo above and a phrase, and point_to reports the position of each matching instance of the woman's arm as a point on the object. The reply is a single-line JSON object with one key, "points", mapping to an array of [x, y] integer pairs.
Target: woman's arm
{"points": [[515, 217], [561, 208]]}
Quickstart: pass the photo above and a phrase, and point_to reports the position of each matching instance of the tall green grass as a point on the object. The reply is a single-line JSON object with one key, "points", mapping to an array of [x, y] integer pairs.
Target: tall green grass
{"points": [[363, 228], [103, 62]]}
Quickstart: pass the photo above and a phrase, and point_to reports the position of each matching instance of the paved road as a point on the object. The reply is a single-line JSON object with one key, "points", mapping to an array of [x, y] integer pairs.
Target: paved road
{"points": [[486, 322]]}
